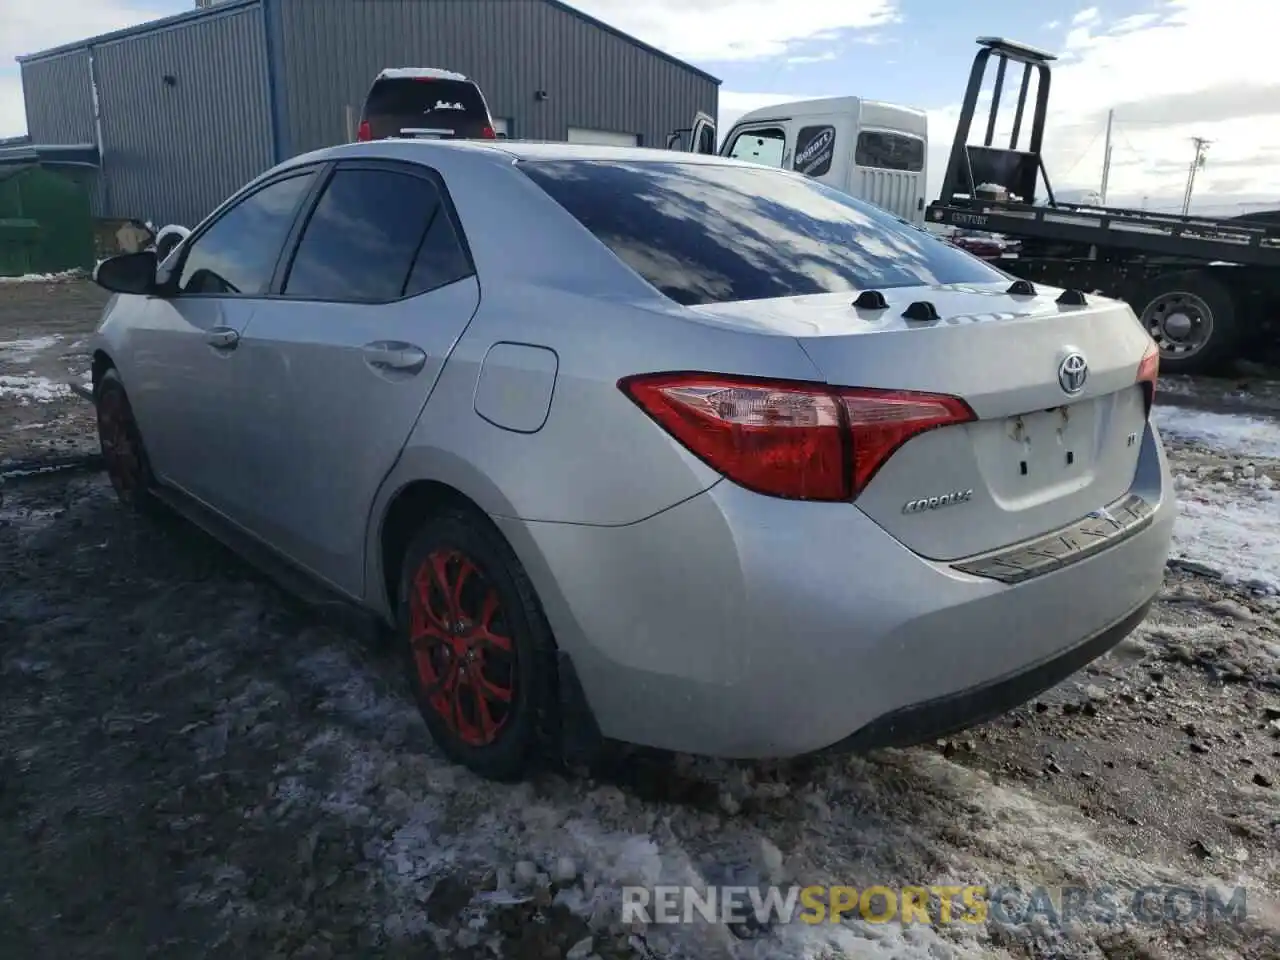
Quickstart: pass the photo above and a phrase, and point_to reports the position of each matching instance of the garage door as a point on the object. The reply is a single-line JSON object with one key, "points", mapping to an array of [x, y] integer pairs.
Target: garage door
{"points": [[605, 138], [501, 126]]}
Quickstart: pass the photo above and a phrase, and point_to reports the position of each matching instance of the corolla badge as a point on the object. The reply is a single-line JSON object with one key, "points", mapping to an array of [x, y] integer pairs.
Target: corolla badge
{"points": [[1073, 371], [936, 503]]}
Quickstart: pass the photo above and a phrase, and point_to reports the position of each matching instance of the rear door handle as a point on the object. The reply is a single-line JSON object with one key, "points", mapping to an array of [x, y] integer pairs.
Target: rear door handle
{"points": [[394, 356], [222, 338]]}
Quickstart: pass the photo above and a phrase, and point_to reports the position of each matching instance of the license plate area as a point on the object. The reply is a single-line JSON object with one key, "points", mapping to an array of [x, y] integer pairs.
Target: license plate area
{"points": [[1038, 456], [1049, 446]]}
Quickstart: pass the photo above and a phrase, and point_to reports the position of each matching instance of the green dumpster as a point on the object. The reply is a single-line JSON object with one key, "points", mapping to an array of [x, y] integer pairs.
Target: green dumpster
{"points": [[46, 223]]}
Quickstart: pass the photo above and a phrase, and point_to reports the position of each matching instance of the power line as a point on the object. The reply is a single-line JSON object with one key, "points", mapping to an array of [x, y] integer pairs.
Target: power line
{"points": [[1080, 159]]}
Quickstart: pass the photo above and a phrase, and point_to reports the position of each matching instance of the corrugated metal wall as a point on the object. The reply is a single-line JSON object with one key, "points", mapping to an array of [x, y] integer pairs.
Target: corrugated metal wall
{"points": [[59, 99], [173, 153], [330, 51]]}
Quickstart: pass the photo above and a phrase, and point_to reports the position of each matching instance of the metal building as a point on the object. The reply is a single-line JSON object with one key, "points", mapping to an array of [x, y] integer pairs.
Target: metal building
{"points": [[180, 112]]}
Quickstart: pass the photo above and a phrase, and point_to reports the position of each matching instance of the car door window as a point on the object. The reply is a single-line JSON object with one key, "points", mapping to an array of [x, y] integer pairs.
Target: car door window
{"points": [[375, 236], [238, 253], [760, 146]]}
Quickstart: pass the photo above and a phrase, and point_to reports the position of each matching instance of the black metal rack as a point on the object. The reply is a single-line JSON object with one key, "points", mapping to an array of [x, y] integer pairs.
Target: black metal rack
{"points": [[1018, 173]]}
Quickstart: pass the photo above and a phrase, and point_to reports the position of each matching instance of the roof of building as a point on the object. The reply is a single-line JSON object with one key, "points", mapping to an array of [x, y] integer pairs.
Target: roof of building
{"points": [[73, 154], [163, 23], [178, 19]]}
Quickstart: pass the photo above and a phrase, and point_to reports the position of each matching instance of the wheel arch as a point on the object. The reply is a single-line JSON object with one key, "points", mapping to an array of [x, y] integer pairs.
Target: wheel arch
{"points": [[423, 481]]}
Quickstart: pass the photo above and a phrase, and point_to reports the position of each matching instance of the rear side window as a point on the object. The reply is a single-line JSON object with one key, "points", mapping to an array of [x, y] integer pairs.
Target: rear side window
{"points": [[889, 151], [368, 239], [450, 108], [705, 233]]}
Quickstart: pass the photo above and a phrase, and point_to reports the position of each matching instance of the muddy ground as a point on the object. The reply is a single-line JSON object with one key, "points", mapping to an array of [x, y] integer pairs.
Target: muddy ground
{"points": [[193, 766]]}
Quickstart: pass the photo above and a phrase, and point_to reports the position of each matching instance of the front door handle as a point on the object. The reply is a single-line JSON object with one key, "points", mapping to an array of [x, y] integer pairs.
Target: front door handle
{"points": [[222, 338], [394, 356]]}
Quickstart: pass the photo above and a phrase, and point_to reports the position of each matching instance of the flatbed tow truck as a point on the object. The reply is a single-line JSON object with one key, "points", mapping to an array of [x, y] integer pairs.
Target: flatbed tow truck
{"points": [[1206, 289]]}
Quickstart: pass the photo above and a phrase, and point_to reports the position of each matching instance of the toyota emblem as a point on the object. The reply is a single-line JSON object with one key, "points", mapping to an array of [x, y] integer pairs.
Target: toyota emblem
{"points": [[1073, 371]]}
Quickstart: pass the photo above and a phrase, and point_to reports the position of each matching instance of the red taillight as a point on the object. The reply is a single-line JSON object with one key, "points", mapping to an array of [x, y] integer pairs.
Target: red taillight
{"points": [[801, 441], [365, 133], [488, 133], [1149, 373]]}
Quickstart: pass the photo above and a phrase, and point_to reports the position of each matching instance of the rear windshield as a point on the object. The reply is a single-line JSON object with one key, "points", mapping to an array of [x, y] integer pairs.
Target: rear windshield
{"points": [[704, 233], [436, 103], [889, 151]]}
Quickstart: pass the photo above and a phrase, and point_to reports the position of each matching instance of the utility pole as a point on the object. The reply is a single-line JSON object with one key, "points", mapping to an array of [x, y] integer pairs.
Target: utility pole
{"points": [[1197, 163], [1106, 161]]}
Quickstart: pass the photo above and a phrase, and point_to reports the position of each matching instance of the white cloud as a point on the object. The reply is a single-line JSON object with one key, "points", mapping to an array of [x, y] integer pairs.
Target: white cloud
{"points": [[29, 26], [814, 58], [716, 30], [13, 115], [1198, 68]]}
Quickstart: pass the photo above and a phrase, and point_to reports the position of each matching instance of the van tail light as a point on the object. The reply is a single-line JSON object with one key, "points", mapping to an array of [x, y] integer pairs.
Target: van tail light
{"points": [[488, 133], [1148, 374], [799, 441], [365, 133]]}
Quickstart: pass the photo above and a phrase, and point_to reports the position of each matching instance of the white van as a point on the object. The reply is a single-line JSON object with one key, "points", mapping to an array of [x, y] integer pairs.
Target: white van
{"points": [[872, 150]]}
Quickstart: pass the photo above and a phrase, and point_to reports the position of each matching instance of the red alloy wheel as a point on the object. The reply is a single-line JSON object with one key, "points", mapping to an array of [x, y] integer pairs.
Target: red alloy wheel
{"points": [[119, 451], [462, 646]]}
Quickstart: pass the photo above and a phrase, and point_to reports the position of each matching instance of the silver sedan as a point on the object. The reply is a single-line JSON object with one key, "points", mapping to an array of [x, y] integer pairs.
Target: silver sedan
{"points": [[624, 445]]}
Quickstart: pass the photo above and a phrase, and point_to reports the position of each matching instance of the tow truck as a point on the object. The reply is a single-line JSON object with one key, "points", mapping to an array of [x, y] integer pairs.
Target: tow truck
{"points": [[1206, 289]]}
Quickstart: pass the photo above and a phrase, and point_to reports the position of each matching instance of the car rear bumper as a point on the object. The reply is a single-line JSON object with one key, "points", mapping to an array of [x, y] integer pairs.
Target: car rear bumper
{"points": [[743, 626], [921, 722]]}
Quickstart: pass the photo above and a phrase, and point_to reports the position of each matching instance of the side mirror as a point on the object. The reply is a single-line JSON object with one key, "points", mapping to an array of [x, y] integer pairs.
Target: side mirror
{"points": [[128, 273]]}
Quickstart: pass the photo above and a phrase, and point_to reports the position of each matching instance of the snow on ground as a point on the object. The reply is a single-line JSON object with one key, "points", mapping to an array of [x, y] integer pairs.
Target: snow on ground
{"points": [[24, 351], [1231, 525], [1229, 433], [862, 822], [29, 388], [44, 277], [1229, 508]]}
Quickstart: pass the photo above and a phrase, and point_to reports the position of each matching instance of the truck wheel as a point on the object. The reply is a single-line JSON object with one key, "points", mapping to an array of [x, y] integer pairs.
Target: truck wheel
{"points": [[1192, 318]]}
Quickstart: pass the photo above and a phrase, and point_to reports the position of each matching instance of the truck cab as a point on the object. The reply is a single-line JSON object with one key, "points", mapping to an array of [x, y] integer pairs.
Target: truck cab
{"points": [[869, 149]]}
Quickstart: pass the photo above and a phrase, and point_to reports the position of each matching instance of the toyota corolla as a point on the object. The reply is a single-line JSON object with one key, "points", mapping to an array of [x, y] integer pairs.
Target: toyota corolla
{"points": [[678, 451]]}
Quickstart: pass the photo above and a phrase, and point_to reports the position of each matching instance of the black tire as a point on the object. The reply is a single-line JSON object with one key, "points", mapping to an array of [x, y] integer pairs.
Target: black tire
{"points": [[123, 452], [1221, 332], [527, 723]]}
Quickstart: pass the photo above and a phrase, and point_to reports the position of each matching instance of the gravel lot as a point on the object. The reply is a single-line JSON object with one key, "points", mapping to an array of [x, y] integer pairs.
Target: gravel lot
{"points": [[194, 766]]}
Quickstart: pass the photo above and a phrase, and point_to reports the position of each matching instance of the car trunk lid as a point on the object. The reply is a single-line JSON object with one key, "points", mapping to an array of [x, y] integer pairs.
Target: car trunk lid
{"points": [[1048, 445]]}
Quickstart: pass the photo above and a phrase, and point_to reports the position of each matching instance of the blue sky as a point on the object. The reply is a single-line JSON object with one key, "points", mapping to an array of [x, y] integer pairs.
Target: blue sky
{"points": [[922, 60], [1171, 69]]}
